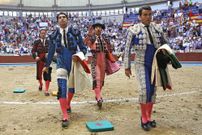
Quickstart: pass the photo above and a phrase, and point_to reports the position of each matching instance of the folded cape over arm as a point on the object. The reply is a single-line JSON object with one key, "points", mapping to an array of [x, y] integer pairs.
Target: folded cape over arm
{"points": [[160, 74]]}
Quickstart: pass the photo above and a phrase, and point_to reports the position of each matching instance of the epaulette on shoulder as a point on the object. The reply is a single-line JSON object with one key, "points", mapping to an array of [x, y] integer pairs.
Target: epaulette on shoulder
{"points": [[106, 37], [135, 29], [54, 34], [74, 30], [70, 28], [47, 38], [157, 27], [37, 41]]}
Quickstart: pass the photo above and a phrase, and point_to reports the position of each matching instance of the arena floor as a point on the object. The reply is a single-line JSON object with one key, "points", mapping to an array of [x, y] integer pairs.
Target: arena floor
{"points": [[177, 112]]}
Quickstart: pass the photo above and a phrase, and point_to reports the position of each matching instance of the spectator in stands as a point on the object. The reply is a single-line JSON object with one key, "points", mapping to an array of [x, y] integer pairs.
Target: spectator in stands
{"points": [[145, 37], [65, 43], [39, 52]]}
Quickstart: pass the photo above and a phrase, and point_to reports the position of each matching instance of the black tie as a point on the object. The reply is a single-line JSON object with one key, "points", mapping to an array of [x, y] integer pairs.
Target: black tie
{"points": [[150, 36], [65, 42]]}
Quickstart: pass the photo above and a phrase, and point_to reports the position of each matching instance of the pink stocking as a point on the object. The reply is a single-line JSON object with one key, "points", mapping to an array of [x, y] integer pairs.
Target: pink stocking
{"points": [[144, 113], [69, 99], [149, 108], [63, 105], [47, 85], [40, 83]]}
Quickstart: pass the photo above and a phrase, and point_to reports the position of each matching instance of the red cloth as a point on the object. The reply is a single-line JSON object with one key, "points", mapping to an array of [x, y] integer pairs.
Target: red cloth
{"points": [[111, 67], [111, 57], [84, 64]]}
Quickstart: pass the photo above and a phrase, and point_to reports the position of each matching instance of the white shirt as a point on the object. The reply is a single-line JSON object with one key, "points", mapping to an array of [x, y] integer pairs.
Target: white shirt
{"points": [[61, 32], [42, 41], [147, 37]]}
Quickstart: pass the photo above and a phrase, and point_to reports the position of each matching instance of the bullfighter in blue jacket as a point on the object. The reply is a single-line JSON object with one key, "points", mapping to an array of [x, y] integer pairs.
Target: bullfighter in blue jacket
{"points": [[65, 41]]}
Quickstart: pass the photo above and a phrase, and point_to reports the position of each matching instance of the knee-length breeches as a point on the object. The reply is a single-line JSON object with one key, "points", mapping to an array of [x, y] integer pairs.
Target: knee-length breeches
{"points": [[46, 76], [147, 91], [62, 79]]}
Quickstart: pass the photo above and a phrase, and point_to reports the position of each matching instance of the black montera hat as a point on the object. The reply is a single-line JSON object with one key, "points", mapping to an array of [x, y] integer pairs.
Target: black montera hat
{"points": [[98, 25]]}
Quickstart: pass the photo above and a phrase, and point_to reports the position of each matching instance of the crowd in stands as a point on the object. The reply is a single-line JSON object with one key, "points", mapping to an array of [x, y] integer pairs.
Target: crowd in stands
{"points": [[18, 33], [183, 32]]}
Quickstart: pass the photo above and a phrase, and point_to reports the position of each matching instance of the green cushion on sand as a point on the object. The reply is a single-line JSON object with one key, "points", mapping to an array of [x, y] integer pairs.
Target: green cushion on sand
{"points": [[99, 126], [19, 90]]}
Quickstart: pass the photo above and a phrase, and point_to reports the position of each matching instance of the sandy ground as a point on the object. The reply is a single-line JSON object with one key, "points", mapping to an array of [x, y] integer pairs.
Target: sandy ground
{"points": [[177, 112]]}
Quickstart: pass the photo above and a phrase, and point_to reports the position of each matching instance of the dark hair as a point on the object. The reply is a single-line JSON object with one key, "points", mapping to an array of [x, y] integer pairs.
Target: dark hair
{"points": [[98, 25], [144, 8], [61, 13], [41, 29]]}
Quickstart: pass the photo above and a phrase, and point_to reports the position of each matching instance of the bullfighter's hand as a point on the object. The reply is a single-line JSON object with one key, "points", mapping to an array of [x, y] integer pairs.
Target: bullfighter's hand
{"points": [[45, 69], [75, 58], [37, 59]]}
